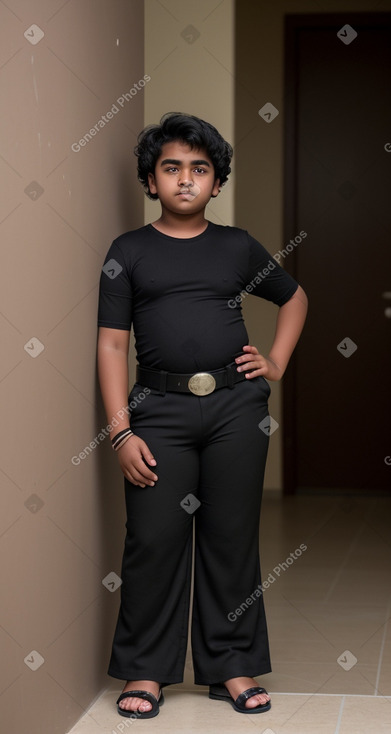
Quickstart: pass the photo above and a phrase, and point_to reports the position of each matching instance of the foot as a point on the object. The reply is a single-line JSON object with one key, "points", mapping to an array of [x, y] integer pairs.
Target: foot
{"points": [[235, 686], [133, 703]]}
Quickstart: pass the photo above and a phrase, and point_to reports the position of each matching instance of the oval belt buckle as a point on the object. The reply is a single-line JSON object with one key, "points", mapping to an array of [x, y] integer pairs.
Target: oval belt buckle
{"points": [[202, 383]]}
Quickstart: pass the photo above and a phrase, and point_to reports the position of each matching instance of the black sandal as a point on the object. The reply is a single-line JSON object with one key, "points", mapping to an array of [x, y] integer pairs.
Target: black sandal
{"points": [[156, 703], [219, 692]]}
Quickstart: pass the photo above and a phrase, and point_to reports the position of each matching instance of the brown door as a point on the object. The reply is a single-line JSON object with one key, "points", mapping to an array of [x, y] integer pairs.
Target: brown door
{"points": [[337, 397]]}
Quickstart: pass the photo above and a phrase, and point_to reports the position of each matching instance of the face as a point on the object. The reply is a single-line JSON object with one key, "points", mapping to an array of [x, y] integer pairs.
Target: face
{"points": [[184, 179]]}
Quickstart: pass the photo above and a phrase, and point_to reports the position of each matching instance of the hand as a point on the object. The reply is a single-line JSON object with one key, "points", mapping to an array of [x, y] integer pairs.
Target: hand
{"points": [[260, 366], [131, 458]]}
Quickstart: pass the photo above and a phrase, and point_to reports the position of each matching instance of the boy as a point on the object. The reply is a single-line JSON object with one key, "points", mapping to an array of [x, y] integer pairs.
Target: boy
{"points": [[192, 448]]}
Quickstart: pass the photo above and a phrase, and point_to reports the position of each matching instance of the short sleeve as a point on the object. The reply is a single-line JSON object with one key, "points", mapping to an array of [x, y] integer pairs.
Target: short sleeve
{"points": [[115, 292], [266, 278]]}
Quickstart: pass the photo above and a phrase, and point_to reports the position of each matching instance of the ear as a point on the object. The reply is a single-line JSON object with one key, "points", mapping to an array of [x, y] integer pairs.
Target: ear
{"points": [[216, 188], [151, 183]]}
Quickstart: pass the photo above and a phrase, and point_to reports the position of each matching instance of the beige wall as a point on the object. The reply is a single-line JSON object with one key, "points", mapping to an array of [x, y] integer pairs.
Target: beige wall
{"points": [[189, 50], [61, 524]]}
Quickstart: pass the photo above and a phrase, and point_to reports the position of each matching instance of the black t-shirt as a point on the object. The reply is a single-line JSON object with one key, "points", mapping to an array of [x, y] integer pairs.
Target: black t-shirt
{"points": [[182, 294]]}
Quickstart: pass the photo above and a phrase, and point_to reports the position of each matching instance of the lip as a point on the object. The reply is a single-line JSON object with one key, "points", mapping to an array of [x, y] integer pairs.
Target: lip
{"points": [[184, 193]]}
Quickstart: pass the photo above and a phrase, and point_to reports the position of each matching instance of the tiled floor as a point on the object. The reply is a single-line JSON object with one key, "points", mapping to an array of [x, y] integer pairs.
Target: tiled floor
{"points": [[328, 616]]}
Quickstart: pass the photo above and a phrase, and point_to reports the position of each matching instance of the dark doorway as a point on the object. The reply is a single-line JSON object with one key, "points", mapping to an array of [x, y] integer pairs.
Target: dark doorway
{"points": [[336, 393]]}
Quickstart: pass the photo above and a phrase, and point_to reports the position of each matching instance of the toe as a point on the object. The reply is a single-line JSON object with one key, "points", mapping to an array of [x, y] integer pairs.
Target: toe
{"points": [[132, 704], [145, 705], [259, 698]]}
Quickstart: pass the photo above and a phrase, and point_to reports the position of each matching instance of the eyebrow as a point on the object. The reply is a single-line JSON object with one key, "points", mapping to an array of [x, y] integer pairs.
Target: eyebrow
{"points": [[176, 162]]}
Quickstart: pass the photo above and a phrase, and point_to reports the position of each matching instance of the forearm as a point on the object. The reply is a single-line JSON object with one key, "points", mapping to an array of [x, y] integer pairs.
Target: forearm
{"points": [[114, 384], [290, 321]]}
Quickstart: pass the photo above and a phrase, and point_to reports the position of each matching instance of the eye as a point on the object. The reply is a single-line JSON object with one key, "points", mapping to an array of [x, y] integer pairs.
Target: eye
{"points": [[200, 170], [171, 168]]}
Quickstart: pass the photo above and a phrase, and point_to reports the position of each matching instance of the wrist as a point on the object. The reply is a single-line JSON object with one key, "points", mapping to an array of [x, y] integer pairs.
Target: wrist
{"points": [[278, 368], [120, 438]]}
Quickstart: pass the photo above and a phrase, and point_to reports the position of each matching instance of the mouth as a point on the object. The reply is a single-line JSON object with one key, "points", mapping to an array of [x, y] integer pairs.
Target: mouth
{"points": [[185, 192]]}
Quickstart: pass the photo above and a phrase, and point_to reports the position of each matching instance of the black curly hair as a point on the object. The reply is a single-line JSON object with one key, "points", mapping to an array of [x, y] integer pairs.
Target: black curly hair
{"points": [[188, 129]]}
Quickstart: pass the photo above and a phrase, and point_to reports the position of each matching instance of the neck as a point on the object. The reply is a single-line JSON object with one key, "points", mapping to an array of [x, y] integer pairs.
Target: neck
{"points": [[178, 225]]}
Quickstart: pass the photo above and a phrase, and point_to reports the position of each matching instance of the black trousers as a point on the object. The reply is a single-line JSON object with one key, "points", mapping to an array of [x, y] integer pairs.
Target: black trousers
{"points": [[210, 455]]}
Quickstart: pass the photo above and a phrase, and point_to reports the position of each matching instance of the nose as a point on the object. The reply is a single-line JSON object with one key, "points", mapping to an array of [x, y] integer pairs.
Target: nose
{"points": [[185, 181]]}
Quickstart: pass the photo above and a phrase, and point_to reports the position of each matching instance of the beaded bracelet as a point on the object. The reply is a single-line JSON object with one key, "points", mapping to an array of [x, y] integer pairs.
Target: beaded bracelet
{"points": [[120, 438]]}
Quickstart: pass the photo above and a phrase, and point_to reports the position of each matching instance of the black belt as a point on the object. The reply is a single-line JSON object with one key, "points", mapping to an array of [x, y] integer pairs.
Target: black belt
{"points": [[198, 383]]}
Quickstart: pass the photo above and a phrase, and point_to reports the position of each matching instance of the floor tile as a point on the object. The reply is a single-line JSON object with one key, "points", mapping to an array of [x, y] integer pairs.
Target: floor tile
{"points": [[364, 716], [327, 615]]}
